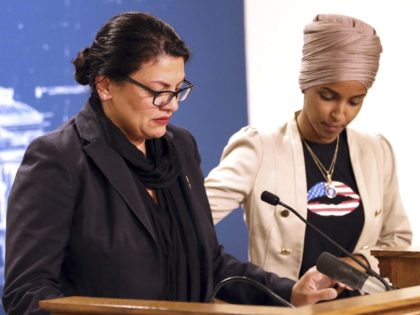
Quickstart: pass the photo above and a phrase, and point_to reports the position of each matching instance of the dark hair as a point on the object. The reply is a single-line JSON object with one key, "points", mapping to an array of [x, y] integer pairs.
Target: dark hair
{"points": [[123, 44]]}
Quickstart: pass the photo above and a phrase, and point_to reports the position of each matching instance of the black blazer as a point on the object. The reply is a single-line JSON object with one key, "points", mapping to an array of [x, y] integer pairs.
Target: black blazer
{"points": [[76, 225]]}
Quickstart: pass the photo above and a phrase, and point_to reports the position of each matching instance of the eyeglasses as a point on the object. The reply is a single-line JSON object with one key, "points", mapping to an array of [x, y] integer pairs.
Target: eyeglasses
{"points": [[162, 98]]}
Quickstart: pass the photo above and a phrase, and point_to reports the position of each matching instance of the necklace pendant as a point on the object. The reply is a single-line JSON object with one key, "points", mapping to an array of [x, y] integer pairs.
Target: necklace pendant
{"points": [[330, 190]]}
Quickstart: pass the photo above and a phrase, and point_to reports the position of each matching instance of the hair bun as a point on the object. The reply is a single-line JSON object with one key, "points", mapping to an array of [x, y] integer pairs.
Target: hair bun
{"points": [[82, 65]]}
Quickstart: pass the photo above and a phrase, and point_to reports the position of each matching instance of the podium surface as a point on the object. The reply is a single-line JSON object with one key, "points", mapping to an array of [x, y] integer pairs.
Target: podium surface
{"points": [[400, 264], [402, 301]]}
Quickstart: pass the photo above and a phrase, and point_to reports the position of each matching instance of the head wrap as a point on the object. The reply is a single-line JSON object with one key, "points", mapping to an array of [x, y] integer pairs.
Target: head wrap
{"points": [[339, 48]]}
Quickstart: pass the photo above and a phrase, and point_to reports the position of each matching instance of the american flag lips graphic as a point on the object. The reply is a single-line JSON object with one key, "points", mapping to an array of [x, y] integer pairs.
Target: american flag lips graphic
{"points": [[345, 202]]}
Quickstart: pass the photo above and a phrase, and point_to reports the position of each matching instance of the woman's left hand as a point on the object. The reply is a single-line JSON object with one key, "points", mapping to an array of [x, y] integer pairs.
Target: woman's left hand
{"points": [[312, 287]]}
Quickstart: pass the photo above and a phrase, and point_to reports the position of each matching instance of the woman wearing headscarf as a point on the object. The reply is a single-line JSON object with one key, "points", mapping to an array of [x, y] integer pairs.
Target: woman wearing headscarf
{"points": [[339, 179], [112, 203]]}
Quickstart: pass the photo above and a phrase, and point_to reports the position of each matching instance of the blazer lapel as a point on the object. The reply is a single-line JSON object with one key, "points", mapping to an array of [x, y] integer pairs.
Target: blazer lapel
{"points": [[361, 167], [111, 164], [118, 174]]}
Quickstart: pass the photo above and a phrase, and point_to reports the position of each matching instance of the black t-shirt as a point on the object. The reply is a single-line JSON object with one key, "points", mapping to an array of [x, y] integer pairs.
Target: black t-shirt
{"points": [[342, 217]]}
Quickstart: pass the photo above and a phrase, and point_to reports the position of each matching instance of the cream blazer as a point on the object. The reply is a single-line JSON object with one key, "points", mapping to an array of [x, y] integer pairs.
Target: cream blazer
{"points": [[255, 161]]}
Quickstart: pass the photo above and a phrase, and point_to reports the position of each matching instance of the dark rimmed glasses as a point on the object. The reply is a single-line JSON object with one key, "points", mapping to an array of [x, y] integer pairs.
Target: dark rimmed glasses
{"points": [[162, 98]]}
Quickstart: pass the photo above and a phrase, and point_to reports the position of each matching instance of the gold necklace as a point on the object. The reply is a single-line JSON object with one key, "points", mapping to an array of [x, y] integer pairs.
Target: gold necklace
{"points": [[330, 190]]}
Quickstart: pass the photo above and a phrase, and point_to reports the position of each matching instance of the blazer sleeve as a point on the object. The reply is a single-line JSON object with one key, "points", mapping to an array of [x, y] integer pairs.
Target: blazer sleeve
{"points": [[229, 184], [39, 216], [396, 229]]}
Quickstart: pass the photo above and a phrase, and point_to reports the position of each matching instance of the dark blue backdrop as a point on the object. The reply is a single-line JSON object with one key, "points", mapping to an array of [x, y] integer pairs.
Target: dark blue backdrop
{"points": [[38, 39]]}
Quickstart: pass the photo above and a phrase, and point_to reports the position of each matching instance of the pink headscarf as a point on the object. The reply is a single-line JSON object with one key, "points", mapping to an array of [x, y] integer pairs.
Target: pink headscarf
{"points": [[339, 48]]}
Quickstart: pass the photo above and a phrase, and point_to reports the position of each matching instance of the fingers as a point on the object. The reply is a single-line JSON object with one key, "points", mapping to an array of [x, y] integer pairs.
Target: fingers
{"points": [[343, 286], [312, 296], [324, 294], [313, 287]]}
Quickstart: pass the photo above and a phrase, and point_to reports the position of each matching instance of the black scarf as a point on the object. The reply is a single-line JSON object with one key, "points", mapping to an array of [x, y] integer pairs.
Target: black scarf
{"points": [[172, 219]]}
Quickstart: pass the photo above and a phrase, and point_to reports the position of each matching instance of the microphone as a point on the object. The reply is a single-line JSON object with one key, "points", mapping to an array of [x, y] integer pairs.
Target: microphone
{"points": [[274, 200], [334, 267]]}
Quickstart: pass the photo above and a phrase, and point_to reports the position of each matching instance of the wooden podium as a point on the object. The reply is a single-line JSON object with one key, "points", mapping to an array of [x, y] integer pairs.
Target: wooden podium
{"points": [[402, 301], [400, 264]]}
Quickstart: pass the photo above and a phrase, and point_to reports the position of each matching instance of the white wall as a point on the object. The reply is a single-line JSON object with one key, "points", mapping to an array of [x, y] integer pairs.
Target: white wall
{"points": [[274, 39]]}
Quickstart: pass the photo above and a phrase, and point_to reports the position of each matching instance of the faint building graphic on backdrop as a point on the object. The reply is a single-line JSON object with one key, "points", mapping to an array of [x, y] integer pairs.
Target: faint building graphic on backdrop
{"points": [[19, 125]]}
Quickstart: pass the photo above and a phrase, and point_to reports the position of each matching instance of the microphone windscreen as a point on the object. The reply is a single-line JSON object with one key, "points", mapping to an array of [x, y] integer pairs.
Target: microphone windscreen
{"points": [[270, 198], [334, 267]]}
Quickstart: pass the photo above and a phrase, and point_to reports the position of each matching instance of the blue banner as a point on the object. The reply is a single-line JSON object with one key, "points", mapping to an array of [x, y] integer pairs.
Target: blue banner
{"points": [[38, 40]]}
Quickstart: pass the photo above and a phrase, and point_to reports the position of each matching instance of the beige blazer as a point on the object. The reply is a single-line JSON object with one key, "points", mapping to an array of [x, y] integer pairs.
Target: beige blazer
{"points": [[255, 161]]}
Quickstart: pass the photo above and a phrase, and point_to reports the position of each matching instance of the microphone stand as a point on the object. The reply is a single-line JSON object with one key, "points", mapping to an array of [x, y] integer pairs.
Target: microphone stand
{"points": [[272, 199], [253, 283]]}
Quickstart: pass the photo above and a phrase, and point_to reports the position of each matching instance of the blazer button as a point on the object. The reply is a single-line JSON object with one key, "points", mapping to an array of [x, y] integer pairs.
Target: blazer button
{"points": [[378, 212], [285, 251], [284, 213]]}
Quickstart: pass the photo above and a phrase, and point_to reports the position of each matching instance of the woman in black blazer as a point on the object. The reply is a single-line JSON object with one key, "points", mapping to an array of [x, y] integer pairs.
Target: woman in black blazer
{"points": [[112, 204]]}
